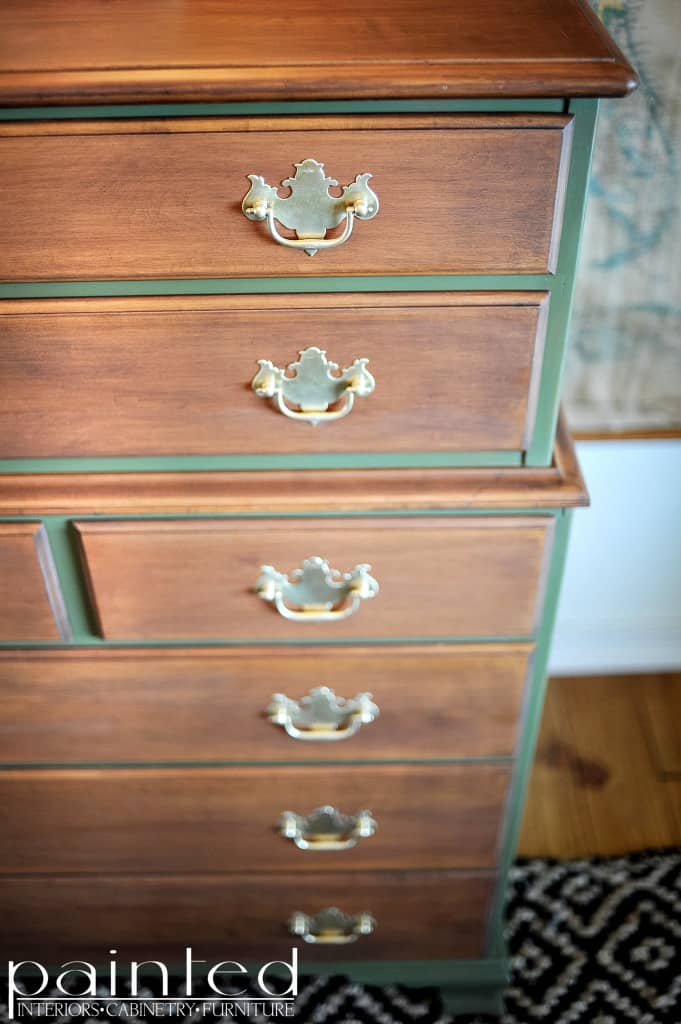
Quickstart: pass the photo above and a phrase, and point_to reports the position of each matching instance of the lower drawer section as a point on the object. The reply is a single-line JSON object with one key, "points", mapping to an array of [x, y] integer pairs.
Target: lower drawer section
{"points": [[207, 704], [417, 916], [228, 819]]}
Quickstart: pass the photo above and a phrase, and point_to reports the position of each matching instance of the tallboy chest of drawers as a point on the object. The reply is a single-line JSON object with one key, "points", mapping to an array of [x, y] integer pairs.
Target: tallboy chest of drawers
{"points": [[285, 495]]}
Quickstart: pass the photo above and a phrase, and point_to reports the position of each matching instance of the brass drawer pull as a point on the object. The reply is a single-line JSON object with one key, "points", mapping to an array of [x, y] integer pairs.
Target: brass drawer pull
{"points": [[331, 926], [312, 384], [326, 828], [316, 592], [309, 210], [321, 715]]}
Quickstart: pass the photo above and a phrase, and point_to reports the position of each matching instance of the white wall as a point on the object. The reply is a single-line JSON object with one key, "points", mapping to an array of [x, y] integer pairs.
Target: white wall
{"points": [[620, 607]]}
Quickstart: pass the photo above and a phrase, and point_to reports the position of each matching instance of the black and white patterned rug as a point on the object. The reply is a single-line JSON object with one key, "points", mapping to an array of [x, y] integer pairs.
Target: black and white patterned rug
{"points": [[592, 942]]}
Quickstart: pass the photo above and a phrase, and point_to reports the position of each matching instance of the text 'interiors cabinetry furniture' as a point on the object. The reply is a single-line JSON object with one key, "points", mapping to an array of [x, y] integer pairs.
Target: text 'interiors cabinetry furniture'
{"points": [[284, 497]]}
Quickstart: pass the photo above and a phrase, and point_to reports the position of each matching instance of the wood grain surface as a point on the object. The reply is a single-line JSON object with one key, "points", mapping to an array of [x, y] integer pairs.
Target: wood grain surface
{"points": [[80, 706], [557, 486], [208, 51], [454, 372], [116, 199], [606, 778], [227, 819], [31, 605], [662, 702], [442, 577], [418, 915]]}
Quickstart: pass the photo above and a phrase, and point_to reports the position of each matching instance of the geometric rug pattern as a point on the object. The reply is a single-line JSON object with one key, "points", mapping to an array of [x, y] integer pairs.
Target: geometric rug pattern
{"points": [[596, 941]]}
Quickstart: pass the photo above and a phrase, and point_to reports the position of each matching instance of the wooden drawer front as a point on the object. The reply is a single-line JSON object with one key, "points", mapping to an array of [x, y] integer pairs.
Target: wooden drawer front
{"points": [[68, 707], [53, 919], [31, 605], [458, 194], [167, 820], [195, 578], [168, 376]]}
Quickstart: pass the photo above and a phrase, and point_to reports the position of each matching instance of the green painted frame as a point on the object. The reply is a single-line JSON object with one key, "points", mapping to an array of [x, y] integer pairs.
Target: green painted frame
{"points": [[470, 986], [208, 463], [529, 730], [562, 289], [278, 107]]}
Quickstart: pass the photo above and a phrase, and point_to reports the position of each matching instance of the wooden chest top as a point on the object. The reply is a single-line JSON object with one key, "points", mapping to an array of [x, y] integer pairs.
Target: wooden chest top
{"points": [[84, 52]]}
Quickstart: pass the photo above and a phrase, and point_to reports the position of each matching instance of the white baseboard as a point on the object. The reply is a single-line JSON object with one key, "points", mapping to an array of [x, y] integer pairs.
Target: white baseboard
{"points": [[615, 647], [620, 606]]}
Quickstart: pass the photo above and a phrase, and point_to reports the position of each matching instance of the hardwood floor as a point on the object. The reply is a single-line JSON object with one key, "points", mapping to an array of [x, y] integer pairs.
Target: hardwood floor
{"points": [[607, 774]]}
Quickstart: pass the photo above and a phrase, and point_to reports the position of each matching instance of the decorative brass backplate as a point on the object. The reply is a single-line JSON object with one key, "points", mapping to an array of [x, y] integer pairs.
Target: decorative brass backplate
{"points": [[316, 592], [326, 828], [321, 715], [331, 926], [313, 384], [310, 211]]}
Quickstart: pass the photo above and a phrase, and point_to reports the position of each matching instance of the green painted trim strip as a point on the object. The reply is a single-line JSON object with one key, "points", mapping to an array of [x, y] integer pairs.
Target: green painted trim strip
{"points": [[27, 766], [534, 703], [63, 543], [125, 110], [215, 463], [540, 450], [276, 285], [84, 639]]}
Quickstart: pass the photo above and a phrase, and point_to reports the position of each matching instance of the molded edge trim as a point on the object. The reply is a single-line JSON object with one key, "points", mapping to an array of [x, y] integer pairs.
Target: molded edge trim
{"points": [[340, 491], [609, 76]]}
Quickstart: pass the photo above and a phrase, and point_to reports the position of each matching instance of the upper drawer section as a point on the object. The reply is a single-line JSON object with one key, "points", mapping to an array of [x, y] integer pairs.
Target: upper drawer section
{"points": [[162, 199]]}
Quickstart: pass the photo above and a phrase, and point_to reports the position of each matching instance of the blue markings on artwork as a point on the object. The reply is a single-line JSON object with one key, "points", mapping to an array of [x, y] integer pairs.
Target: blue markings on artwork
{"points": [[624, 369]]}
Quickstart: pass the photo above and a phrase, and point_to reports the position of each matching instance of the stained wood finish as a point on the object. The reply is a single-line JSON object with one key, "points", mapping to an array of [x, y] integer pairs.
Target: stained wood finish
{"points": [[31, 605], [195, 578], [439, 914], [653, 434], [227, 52], [662, 701], [104, 706], [491, 200], [558, 486], [454, 372], [605, 781], [212, 820]]}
